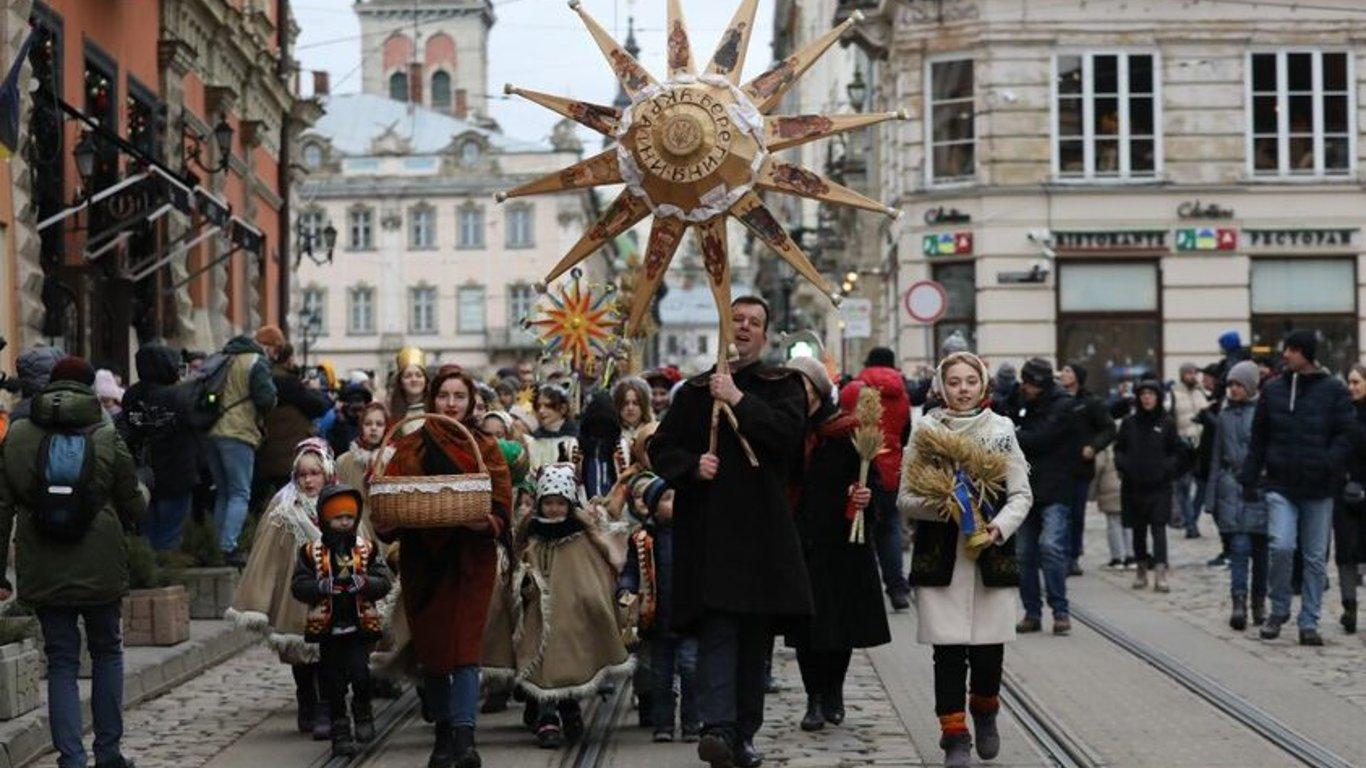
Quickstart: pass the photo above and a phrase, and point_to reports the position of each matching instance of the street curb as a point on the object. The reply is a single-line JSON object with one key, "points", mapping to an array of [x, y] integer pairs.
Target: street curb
{"points": [[147, 673]]}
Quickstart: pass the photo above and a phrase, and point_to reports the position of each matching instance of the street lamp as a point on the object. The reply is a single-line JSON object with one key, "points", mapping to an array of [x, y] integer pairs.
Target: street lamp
{"points": [[857, 90], [310, 325], [309, 240], [222, 137], [85, 157]]}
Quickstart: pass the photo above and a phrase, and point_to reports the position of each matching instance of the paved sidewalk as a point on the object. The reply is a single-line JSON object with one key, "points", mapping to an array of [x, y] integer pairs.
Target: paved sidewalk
{"points": [[1200, 597], [148, 673]]}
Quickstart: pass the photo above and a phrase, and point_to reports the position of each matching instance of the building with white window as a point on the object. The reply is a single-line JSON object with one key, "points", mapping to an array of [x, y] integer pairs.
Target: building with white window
{"points": [[423, 255], [1118, 182]]}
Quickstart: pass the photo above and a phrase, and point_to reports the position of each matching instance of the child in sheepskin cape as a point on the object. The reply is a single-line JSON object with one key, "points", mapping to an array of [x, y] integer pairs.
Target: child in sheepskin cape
{"points": [[263, 600], [567, 640]]}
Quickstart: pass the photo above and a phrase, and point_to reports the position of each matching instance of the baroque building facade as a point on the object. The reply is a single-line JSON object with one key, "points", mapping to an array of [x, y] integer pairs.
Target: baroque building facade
{"points": [[424, 256], [1120, 183], [150, 185]]}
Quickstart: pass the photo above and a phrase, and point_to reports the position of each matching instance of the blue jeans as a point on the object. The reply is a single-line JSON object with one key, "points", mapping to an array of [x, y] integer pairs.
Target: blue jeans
{"points": [[1077, 519], [1305, 523], [62, 644], [1247, 549], [454, 697], [670, 656], [1042, 544], [166, 521], [230, 462], [886, 534], [1184, 490]]}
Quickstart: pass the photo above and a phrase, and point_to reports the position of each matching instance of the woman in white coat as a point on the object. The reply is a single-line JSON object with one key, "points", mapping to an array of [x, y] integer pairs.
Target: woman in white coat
{"points": [[966, 601]]}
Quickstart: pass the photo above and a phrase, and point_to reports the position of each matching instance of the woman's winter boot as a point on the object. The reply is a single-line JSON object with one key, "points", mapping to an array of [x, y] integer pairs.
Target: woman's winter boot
{"points": [[1238, 619], [814, 720], [988, 737], [1160, 579], [322, 723], [342, 743], [1141, 576], [466, 756], [364, 717], [955, 740], [443, 752], [1349, 616], [832, 707]]}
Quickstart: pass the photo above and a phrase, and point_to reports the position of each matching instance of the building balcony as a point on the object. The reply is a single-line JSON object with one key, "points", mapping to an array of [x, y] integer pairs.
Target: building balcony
{"points": [[510, 339]]}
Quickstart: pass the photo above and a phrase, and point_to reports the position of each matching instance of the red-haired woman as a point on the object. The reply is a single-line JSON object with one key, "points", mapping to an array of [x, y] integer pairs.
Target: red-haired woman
{"points": [[448, 574]]}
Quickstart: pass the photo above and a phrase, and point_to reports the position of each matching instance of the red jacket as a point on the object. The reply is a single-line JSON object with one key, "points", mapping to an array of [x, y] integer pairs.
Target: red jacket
{"points": [[896, 418]]}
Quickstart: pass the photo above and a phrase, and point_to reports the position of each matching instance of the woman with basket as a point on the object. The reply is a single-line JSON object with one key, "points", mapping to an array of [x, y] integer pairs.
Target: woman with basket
{"points": [[446, 495], [965, 483]]}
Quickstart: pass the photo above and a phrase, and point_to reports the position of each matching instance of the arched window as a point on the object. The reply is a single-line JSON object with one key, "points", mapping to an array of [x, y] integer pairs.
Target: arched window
{"points": [[441, 90], [398, 86]]}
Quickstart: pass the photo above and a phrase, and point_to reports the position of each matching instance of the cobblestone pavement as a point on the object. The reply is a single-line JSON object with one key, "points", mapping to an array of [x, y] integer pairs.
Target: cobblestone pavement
{"points": [[190, 725], [871, 734], [1200, 596]]}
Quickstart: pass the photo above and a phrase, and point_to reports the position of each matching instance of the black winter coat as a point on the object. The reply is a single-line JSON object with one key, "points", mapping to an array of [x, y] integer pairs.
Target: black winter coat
{"points": [[1300, 435], [1094, 428], [156, 436], [845, 583], [1050, 440], [735, 541], [1147, 455]]}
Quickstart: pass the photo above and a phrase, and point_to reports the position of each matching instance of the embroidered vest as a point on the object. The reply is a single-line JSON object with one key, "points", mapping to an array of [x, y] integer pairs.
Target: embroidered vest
{"points": [[319, 623]]}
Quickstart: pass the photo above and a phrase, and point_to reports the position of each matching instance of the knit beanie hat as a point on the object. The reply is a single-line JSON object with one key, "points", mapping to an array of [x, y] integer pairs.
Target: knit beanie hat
{"points": [[954, 343], [558, 480], [1246, 374], [880, 357], [1230, 341], [106, 386], [1038, 372], [1006, 375], [1305, 341], [814, 371], [1189, 368], [270, 336], [338, 500], [72, 368]]}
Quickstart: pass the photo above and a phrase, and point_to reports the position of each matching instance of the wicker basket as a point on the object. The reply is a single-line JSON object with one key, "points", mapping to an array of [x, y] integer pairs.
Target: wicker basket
{"points": [[430, 501]]}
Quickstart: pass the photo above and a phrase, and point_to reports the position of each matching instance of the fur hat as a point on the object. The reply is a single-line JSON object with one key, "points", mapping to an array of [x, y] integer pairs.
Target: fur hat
{"points": [[72, 368], [558, 479], [1037, 372], [1246, 374], [814, 371], [270, 336], [651, 488]]}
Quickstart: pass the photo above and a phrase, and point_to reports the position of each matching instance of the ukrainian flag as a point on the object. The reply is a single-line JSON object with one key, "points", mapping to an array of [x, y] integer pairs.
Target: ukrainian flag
{"points": [[1206, 239], [10, 98]]}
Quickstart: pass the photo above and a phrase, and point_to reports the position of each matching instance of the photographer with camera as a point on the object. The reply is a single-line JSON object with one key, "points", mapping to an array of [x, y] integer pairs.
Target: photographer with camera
{"points": [[165, 448]]}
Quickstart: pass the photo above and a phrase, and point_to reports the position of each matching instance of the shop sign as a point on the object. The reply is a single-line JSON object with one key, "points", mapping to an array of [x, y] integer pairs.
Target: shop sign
{"points": [[1194, 209], [1121, 241], [941, 215], [947, 244], [1207, 239], [1301, 238], [857, 314]]}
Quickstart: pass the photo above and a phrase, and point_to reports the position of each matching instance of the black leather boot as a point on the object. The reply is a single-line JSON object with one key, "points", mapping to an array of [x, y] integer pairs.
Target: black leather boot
{"points": [[443, 752], [832, 706], [1349, 616], [342, 743], [465, 754], [365, 720], [1238, 618], [814, 720]]}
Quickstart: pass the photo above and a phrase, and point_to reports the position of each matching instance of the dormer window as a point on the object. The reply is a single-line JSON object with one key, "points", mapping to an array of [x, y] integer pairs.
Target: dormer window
{"points": [[313, 155], [469, 153]]}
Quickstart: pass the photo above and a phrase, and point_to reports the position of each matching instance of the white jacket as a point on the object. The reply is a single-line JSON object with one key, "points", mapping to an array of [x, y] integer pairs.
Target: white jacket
{"points": [[967, 612]]}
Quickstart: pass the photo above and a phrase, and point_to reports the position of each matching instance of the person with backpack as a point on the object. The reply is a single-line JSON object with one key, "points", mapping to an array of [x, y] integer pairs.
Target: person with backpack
{"points": [[238, 381], [165, 448], [68, 490]]}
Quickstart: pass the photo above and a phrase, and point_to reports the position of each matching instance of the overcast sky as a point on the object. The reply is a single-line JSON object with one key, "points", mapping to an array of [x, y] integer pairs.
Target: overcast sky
{"points": [[538, 44]]}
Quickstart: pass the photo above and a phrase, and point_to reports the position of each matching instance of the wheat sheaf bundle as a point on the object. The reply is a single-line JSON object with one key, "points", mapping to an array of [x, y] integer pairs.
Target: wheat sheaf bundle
{"points": [[939, 454], [868, 443]]}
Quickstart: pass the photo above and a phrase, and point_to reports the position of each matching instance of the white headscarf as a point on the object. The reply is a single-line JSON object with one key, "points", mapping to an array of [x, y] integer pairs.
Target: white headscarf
{"points": [[961, 357], [293, 509]]}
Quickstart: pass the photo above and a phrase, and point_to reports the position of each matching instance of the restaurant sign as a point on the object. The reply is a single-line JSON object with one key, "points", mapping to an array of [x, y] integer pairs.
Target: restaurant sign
{"points": [[1121, 241], [1301, 239]]}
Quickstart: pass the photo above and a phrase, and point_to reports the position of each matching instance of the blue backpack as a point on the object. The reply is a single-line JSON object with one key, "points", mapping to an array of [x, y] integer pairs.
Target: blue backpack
{"points": [[66, 502]]}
